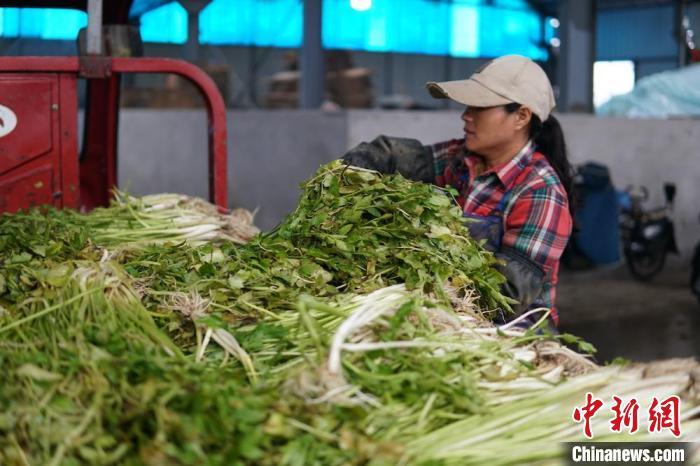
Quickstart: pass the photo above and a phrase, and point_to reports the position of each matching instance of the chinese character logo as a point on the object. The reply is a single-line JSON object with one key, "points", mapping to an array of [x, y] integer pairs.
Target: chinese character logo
{"points": [[665, 415], [627, 416], [662, 415], [586, 412]]}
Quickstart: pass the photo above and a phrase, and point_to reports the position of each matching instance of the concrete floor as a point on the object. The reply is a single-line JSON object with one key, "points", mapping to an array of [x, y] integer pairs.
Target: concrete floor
{"points": [[625, 318]]}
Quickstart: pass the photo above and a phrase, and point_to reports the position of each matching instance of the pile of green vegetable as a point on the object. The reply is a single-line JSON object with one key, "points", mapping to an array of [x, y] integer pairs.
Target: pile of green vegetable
{"points": [[146, 333]]}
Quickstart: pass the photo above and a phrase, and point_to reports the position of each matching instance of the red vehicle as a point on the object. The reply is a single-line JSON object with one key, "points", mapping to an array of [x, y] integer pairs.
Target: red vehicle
{"points": [[39, 160]]}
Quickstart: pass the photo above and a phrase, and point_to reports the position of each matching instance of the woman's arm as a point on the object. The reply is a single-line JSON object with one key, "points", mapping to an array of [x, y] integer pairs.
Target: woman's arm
{"points": [[388, 154]]}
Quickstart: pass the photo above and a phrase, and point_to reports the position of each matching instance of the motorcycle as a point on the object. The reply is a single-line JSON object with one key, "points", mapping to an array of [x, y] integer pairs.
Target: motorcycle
{"points": [[647, 235]]}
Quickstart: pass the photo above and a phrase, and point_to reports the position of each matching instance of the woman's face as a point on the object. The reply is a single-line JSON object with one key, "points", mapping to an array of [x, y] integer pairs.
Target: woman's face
{"points": [[488, 131]]}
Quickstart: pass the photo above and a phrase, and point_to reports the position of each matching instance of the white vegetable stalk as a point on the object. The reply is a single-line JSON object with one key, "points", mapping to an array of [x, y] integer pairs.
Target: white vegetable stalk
{"points": [[370, 307], [452, 334], [194, 307], [173, 217], [527, 314]]}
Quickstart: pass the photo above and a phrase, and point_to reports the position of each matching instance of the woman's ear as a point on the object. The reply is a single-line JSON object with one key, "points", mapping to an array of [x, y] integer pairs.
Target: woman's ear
{"points": [[523, 117]]}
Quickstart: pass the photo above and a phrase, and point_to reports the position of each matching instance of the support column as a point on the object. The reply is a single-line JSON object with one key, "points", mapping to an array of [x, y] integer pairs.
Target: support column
{"points": [[194, 8], [312, 83], [388, 72], [681, 29], [577, 55], [447, 76]]}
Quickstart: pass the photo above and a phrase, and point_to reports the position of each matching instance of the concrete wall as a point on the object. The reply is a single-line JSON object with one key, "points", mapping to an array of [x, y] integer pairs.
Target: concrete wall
{"points": [[271, 152]]}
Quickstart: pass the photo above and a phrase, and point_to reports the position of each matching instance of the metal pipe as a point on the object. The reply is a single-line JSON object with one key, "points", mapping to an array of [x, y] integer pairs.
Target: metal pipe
{"points": [[312, 80], [94, 28]]}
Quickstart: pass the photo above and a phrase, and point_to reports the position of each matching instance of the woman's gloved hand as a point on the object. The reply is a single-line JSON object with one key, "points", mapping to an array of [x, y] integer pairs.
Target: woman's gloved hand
{"points": [[387, 154], [524, 279]]}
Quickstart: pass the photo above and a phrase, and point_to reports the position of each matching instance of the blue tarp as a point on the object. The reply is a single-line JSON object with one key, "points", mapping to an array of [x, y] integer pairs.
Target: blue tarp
{"points": [[662, 95]]}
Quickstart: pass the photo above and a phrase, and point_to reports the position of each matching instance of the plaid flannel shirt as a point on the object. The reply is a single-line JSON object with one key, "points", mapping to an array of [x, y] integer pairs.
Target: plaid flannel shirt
{"points": [[536, 215]]}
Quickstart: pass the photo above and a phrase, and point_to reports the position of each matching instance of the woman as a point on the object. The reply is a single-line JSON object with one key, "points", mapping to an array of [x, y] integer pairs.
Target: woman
{"points": [[511, 172]]}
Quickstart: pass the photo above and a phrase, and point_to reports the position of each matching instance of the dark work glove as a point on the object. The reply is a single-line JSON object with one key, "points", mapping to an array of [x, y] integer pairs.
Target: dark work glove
{"points": [[525, 279], [387, 154]]}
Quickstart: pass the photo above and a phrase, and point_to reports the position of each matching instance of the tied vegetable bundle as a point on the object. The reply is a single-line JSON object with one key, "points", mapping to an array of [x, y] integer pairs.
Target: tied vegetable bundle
{"points": [[128, 342]]}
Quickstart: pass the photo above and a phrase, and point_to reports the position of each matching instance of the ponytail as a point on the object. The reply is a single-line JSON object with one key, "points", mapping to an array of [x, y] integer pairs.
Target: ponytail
{"points": [[549, 140]]}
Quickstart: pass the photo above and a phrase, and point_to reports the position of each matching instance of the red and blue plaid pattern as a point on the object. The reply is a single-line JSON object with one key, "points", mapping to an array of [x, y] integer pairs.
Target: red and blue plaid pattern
{"points": [[536, 216]]}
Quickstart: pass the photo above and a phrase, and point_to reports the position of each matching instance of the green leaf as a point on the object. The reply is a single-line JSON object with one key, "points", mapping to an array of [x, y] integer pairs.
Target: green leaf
{"points": [[345, 229], [215, 256], [20, 258], [328, 180], [582, 345], [39, 250], [374, 211], [212, 321], [206, 270], [236, 282], [439, 200], [59, 275], [438, 231], [249, 415]]}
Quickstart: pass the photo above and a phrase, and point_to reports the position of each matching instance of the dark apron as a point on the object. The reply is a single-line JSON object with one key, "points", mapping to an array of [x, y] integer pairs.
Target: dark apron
{"points": [[489, 228]]}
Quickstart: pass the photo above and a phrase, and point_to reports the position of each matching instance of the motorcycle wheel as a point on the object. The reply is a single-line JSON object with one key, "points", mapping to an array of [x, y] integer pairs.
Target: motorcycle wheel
{"points": [[695, 273], [695, 287], [645, 267]]}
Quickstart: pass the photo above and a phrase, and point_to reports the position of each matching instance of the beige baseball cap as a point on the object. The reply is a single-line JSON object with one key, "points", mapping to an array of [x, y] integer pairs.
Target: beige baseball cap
{"points": [[505, 80]]}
